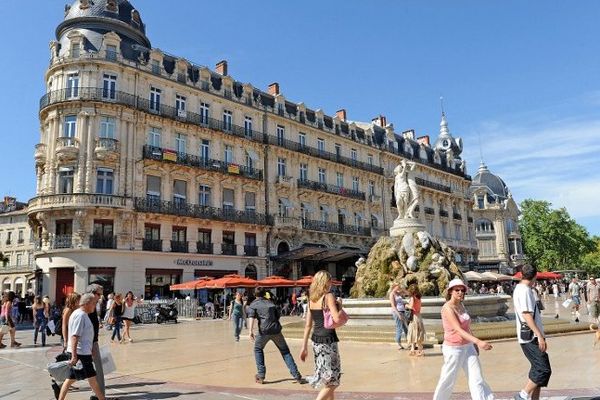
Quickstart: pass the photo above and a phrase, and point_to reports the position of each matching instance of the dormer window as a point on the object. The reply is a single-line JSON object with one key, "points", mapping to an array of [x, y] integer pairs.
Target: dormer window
{"points": [[111, 52], [155, 64], [111, 5]]}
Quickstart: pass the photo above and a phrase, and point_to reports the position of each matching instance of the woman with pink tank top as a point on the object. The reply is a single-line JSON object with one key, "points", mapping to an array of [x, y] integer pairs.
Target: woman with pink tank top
{"points": [[460, 348]]}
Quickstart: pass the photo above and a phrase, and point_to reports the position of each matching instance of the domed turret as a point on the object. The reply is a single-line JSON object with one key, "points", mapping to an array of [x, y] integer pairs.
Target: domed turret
{"points": [[494, 185], [445, 142], [93, 19]]}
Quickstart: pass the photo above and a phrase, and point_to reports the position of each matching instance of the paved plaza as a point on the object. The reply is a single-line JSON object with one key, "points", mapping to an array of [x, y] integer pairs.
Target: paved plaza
{"points": [[201, 360]]}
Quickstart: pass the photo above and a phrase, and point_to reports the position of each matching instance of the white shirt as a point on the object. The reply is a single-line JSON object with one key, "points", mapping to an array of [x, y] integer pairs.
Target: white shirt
{"points": [[524, 301], [81, 326]]}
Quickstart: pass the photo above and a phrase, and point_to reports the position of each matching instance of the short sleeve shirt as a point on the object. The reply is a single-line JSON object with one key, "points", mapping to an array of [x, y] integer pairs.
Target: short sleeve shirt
{"points": [[80, 325], [574, 289], [524, 301]]}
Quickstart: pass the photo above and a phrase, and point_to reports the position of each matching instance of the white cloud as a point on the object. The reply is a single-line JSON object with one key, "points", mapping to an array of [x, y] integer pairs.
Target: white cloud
{"points": [[545, 158]]}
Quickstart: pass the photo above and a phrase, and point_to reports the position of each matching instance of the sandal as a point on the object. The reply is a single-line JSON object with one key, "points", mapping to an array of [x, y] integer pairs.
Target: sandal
{"points": [[15, 344], [2, 345], [259, 380]]}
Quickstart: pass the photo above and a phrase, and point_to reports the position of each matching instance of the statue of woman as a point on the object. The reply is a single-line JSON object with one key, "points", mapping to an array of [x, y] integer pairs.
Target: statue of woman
{"points": [[405, 189]]}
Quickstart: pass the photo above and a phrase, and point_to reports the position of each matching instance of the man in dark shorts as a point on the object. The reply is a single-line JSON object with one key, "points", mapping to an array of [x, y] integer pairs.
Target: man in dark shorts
{"points": [[530, 333], [81, 338], [97, 291], [269, 329]]}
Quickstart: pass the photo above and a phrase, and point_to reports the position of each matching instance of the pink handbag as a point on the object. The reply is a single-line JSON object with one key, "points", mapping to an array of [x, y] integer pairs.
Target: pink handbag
{"points": [[328, 321]]}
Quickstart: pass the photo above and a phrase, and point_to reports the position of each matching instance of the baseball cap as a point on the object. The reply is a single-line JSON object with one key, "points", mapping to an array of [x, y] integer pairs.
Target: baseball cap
{"points": [[456, 282]]}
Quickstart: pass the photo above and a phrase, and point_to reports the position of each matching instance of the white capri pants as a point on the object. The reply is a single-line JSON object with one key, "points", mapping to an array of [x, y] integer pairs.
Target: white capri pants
{"points": [[465, 357]]}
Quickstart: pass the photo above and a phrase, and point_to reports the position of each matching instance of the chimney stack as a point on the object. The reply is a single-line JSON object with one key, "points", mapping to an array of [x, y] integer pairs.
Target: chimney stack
{"points": [[380, 120], [341, 114], [274, 89], [221, 67], [424, 140]]}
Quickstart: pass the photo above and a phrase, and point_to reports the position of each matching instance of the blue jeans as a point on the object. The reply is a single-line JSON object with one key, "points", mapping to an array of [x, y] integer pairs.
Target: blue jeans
{"points": [[259, 344], [400, 327], [40, 326], [117, 329], [238, 322]]}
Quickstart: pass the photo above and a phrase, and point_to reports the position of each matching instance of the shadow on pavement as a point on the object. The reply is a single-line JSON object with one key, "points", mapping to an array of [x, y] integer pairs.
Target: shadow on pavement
{"points": [[148, 395], [152, 340], [134, 384]]}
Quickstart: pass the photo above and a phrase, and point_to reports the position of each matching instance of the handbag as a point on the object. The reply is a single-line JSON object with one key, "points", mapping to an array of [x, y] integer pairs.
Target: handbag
{"points": [[525, 332], [4, 329], [108, 363], [328, 321], [408, 315]]}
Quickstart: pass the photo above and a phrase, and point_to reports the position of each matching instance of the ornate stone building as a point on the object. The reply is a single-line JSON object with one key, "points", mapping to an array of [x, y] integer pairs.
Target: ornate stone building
{"points": [[496, 228], [17, 267], [152, 170]]}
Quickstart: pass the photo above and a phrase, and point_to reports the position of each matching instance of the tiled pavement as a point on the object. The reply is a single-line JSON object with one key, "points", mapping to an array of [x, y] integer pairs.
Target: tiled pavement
{"points": [[200, 360]]}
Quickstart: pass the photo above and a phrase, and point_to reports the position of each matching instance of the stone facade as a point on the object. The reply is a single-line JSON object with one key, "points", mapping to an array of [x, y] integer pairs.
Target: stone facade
{"points": [[146, 159], [496, 224], [17, 269]]}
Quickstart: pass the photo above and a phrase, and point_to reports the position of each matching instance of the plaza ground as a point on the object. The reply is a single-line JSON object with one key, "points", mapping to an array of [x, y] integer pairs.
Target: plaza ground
{"points": [[201, 360]]}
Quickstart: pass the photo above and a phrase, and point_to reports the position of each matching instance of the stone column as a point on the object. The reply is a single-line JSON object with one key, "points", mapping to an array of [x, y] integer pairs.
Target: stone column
{"points": [[123, 127], [92, 121]]}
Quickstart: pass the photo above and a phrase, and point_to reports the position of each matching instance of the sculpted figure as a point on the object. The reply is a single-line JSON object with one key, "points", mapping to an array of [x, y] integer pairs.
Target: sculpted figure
{"points": [[405, 189]]}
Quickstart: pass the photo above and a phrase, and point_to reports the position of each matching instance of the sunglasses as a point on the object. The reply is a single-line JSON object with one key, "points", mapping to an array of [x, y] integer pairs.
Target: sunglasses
{"points": [[460, 290]]}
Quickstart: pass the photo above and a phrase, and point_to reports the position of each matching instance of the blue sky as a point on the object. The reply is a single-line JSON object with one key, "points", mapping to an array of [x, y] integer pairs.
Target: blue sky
{"points": [[522, 77]]}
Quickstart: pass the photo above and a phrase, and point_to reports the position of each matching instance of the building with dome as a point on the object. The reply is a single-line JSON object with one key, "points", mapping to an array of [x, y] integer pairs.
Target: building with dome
{"points": [[496, 228], [152, 170]]}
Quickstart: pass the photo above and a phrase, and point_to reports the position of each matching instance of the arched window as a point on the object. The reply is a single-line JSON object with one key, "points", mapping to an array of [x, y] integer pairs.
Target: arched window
{"points": [[283, 247], [6, 285], [250, 272]]}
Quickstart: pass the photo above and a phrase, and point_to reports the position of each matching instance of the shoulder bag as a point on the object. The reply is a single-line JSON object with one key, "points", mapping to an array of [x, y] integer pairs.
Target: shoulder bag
{"points": [[328, 321], [525, 332]]}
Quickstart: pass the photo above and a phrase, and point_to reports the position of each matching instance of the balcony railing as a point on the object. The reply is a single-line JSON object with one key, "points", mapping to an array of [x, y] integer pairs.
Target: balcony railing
{"points": [[204, 248], [280, 221], [300, 148], [208, 164], [178, 246], [429, 210], [196, 211], [107, 144], [67, 141], [456, 216], [62, 242], [443, 213], [324, 187], [433, 185], [77, 200], [229, 249], [152, 245], [313, 225], [251, 251], [103, 242], [12, 268]]}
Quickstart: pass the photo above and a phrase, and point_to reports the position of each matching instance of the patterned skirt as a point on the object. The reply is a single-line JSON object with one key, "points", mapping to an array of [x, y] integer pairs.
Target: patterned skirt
{"points": [[327, 365], [416, 330]]}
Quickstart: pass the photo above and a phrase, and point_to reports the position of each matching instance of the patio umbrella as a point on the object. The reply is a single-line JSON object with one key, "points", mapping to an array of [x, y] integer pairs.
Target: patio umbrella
{"points": [[307, 280], [540, 275], [473, 276], [190, 285], [276, 281], [229, 281]]}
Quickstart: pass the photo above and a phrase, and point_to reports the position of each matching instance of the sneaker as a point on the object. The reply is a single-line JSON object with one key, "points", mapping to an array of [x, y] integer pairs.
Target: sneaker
{"points": [[56, 389], [518, 397], [299, 380], [259, 380], [93, 397], [576, 319]]}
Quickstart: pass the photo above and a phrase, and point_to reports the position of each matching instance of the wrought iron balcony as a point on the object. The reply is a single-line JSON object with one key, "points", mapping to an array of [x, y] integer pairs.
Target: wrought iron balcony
{"points": [[433, 185], [229, 249], [457, 216], [144, 104], [62, 242], [178, 246], [443, 213], [324, 187], [301, 148], [98, 241], [152, 245], [204, 248], [196, 211], [208, 164], [321, 226], [13, 268], [429, 210], [251, 251]]}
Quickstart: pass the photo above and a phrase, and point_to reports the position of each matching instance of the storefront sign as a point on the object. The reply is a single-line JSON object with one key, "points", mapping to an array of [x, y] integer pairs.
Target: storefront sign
{"points": [[196, 263]]}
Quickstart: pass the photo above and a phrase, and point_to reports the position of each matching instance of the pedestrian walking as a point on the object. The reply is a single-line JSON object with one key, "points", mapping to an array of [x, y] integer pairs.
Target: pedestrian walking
{"points": [[129, 304], [398, 308], [236, 311], [460, 347], [71, 304], [416, 329], [304, 302], [97, 290], [40, 312], [80, 344], [107, 314], [7, 324], [593, 298], [325, 341], [116, 317], [269, 329], [575, 296], [530, 334]]}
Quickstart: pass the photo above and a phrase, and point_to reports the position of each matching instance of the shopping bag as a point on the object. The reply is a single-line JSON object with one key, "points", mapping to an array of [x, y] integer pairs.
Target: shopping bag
{"points": [[60, 371], [567, 303], [51, 326], [108, 363]]}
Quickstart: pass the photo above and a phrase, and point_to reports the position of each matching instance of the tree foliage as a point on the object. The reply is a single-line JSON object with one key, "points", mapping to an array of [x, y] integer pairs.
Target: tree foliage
{"points": [[591, 261], [552, 240]]}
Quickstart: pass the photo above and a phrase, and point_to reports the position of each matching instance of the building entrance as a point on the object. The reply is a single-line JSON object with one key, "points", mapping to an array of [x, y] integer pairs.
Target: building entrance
{"points": [[64, 284]]}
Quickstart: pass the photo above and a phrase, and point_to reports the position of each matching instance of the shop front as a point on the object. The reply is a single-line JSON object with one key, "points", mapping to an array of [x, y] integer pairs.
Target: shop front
{"points": [[158, 282]]}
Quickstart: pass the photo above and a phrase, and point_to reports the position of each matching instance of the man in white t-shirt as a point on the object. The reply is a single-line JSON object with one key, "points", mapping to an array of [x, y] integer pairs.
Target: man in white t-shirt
{"points": [[534, 347]]}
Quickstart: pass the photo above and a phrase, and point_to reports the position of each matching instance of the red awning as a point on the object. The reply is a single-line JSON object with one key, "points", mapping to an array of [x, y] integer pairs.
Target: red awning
{"points": [[190, 285], [540, 275], [307, 280], [276, 281], [229, 281]]}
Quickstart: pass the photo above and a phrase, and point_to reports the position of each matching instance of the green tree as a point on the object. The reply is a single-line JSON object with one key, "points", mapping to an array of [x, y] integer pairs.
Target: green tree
{"points": [[591, 261], [551, 238]]}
